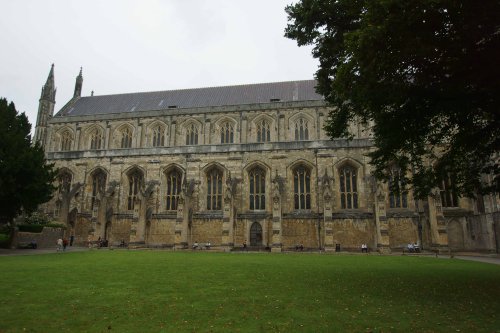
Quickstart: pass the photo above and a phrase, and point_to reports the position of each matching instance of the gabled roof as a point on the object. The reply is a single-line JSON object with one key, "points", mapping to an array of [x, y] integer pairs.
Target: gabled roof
{"points": [[193, 98]]}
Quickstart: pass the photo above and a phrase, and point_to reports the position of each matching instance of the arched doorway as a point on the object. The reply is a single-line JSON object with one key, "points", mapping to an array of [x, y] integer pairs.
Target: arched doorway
{"points": [[256, 234]]}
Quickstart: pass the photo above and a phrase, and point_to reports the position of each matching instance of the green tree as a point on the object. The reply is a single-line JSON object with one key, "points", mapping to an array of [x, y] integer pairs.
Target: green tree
{"points": [[25, 177], [423, 73]]}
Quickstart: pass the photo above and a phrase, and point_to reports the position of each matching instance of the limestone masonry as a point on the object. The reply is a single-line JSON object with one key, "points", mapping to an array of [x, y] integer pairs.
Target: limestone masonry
{"points": [[229, 165]]}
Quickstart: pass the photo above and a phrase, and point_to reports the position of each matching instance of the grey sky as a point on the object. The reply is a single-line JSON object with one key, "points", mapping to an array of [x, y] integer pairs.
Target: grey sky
{"points": [[143, 45]]}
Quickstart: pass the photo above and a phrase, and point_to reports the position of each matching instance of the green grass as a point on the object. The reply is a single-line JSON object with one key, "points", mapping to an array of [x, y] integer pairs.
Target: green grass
{"points": [[161, 291]]}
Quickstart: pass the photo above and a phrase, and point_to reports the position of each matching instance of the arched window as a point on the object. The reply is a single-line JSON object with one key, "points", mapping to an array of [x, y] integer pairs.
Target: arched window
{"points": [[173, 189], [66, 141], [126, 138], [158, 136], [302, 188], [64, 180], [257, 178], [449, 198], [397, 192], [301, 130], [95, 139], [226, 133], [263, 131], [192, 135], [98, 185], [348, 188], [214, 189], [134, 185]]}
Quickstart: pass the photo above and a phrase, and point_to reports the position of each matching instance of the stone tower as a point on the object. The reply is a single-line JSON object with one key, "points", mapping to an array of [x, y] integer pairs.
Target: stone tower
{"points": [[45, 108], [78, 85]]}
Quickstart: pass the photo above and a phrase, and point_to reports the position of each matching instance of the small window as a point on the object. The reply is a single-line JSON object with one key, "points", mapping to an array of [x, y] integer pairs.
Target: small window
{"points": [[449, 198], [126, 141], [263, 132], [95, 139], [192, 135], [158, 136], [66, 141]]}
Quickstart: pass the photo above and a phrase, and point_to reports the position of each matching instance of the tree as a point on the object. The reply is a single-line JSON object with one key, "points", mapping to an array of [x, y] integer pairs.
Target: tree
{"points": [[25, 177], [423, 73]]}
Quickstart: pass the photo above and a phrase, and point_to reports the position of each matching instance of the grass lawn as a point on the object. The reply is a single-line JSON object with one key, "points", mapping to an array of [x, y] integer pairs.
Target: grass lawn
{"points": [[161, 291]]}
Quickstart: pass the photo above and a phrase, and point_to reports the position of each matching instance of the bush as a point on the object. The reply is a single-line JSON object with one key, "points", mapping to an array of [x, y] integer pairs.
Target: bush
{"points": [[4, 241], [37, 218], [37, 228], [55, 225]]}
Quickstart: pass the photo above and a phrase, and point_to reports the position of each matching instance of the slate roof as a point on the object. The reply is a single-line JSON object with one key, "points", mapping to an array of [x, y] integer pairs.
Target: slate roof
{"points": [[194, 98]]}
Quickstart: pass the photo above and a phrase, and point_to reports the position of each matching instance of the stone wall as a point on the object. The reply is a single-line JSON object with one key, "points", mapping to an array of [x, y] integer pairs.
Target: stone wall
{"points": [[45, 239]]}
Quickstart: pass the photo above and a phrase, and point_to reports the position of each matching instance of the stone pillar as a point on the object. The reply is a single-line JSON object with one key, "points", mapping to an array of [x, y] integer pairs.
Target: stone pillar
{"points": [[439, 235], [137, 226], [206, 132], [276, 245], [328, 206], [181, 223], [244, 129], [381, 220], [173, 133], [281, 127], [227, 217]]}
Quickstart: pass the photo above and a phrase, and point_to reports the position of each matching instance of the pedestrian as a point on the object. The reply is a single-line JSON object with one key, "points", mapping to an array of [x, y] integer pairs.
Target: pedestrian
{"points": [[65, 244], [71, 239], [89, 241], [245, 245], [59, 244]]}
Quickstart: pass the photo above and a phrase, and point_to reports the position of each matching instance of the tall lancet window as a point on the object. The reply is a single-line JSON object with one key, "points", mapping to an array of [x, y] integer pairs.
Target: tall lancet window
{"points": [[301, 130], [66, 141], [348, 188], [302, 188], [227, 133], [95, 139], [192, 135], [158, 136], [126, 141], [214, 189], [263, 132], [134, 186], [257, 189], [173, 189], [98, 185], [398, 195]]}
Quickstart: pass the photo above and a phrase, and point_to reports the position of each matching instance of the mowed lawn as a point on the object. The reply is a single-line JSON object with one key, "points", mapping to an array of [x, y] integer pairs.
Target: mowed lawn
{"points": [[162, 291]]}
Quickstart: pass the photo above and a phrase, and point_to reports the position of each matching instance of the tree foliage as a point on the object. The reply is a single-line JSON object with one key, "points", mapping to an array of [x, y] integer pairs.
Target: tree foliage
{"points": [[25, 177], [423, 73]]}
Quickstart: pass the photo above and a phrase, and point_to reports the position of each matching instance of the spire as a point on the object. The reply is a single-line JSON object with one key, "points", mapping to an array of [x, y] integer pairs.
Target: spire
{"points": [[78, 85], [49, 90]]}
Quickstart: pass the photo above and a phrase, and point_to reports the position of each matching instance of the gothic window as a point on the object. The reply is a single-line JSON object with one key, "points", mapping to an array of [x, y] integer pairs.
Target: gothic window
{"points": [[95, 139], [226, 133], [348, 188], [66, 141], [263, 132], [158, 136], [192, 135], [257, 189], [214, 189], [126, 141], [98, 185], [449, 197], [173, 189], [64, 180], [301, 130], [397, 192], [302, 188], [134, 186]]}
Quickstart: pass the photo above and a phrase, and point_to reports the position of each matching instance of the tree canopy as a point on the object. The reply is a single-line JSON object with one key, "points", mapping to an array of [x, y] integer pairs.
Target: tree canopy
{"points": [[423, 73], [25, 177]]}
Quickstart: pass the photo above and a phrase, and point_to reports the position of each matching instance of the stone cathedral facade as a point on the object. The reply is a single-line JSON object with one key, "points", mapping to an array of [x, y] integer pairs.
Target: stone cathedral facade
{"points": [[228, 165]]}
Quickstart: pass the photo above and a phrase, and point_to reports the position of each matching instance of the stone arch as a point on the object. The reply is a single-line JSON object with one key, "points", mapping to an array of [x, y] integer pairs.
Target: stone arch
{"points": [[226, 130], [306, 129], [256, 233], [123, 136], [301, 178], [191, 132], [213, 185], [64, 139], [152, 137], [133, 180], [93, 137], [254, 127], [173, 178]]}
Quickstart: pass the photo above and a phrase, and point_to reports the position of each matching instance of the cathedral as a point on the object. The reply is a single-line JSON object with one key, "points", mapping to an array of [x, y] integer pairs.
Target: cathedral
{"points": [[233, 165]]}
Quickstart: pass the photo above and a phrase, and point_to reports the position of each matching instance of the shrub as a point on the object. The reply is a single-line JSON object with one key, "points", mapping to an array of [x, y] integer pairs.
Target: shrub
{"points": [[30, 228], [55, 225], [4, 241], [37, 218]]}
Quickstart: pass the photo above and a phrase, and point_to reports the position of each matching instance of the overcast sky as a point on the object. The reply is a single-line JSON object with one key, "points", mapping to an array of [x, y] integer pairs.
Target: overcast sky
{"points": [[143, 45]]}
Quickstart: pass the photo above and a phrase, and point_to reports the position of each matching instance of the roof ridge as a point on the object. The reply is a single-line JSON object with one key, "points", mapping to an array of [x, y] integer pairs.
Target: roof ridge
{"points": [[199, 88]]}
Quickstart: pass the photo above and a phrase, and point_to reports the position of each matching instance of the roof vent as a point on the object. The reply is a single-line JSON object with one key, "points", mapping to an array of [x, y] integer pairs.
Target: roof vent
{"points": [[275, 100], [172, 106]]}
